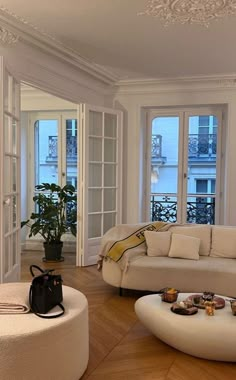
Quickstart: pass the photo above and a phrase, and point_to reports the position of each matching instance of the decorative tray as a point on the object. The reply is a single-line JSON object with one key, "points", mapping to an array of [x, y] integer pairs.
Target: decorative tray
{"points": [[219, 302], [188, 310]]}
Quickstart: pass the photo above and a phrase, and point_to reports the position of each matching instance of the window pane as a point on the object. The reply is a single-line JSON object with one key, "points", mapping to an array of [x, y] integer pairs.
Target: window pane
{"points": [[95, 123], [109, 150], [164, 159], [95, 149], [95, 175], [109, 199], [201, 186], [46, 151], [94, 225], [95, 200], [109, 221], [71, 152], [203, 121], [110, 128], [109, 175]]}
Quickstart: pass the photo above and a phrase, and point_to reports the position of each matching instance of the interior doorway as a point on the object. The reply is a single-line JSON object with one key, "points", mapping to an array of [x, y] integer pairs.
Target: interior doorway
{"points": [[48, 152]]}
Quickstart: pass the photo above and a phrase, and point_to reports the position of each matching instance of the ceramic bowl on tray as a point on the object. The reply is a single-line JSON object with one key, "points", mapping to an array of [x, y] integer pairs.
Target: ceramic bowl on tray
{"points": [[169, 295]]}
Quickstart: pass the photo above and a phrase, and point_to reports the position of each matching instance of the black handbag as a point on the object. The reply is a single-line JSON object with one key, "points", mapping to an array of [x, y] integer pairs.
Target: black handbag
{"points": [[45, 292]]}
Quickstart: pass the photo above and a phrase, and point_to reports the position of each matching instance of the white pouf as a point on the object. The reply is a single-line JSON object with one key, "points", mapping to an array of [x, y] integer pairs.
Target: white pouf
{"points": [[32, 348], [208, 337]]}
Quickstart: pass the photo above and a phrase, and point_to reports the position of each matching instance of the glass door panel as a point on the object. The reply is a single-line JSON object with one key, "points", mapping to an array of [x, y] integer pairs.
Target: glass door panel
{"points": [[95, 175], [71, 152], [46, 151], [95, 200], [164, 168], [201, 175], [110, 125]]}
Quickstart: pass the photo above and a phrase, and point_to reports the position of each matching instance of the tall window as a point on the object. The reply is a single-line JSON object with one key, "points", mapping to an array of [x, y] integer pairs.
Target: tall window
{"points": [[184, 152]]}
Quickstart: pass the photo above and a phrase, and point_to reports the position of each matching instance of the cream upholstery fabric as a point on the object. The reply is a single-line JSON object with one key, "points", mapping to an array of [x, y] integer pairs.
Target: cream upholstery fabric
{"points": [[206, 274], [216, 274], [223, 242], [33, 348], [207, 337], [158, 243], [14, 298], [202, 232], [185, 247]]}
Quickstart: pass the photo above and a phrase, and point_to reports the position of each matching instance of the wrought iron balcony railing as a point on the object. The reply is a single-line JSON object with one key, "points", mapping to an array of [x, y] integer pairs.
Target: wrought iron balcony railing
{"points": [[71, 148], [200, 208], [199, 146], [202, 145]]}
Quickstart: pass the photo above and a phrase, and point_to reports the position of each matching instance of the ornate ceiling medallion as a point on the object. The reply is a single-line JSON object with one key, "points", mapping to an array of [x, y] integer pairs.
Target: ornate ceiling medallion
{"points": [[7, 38], [189, 11]]}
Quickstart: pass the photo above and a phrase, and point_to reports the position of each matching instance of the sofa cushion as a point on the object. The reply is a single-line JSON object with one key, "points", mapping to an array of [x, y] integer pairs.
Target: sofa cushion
{"points": [[158, 243], [223, 242], [185, 247], [199, 231]]}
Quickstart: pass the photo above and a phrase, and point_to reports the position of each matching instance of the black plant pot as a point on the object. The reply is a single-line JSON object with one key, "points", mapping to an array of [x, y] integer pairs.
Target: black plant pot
{"points": [[53, 251]]}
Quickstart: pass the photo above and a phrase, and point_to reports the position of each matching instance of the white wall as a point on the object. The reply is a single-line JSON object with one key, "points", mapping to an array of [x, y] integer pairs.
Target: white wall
{"points": [[133, 98]]}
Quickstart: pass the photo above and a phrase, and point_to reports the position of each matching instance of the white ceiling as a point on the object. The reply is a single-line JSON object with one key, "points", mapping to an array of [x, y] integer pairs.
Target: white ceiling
{"points": [[109, 33]]}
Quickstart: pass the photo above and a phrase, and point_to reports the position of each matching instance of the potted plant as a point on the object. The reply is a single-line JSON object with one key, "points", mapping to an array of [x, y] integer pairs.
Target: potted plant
{"points": [[55, 214]]}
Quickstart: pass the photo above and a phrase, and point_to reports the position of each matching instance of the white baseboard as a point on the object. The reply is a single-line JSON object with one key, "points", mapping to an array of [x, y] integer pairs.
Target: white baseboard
{"points": [[37, 245]]}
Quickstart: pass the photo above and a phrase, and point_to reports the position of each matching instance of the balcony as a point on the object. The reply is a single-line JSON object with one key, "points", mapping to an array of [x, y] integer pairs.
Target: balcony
{"points": [[71, 148], [200, 208], [202, 146]]}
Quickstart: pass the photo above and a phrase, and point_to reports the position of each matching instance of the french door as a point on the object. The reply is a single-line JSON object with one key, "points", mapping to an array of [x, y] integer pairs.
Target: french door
{"points": [[9, 177], [100, 180], [184, 165]]}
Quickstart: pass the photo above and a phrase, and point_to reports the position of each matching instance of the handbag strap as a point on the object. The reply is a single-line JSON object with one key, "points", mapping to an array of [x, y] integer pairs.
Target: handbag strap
{"points": [[45, 316], [39, 269]]}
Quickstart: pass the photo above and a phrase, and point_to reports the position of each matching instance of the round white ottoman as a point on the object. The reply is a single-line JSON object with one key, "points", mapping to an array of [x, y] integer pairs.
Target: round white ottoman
{"points": [[208, 337], [32, 348]]}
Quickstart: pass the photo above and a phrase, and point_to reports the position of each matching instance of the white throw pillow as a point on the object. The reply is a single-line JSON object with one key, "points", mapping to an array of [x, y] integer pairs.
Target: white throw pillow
{"points": [[158, 243], [184, 247], [201, 232], [223, 242]]}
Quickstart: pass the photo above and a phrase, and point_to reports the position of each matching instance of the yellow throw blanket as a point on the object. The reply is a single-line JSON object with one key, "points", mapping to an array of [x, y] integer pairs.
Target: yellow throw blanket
{"points": [[126, 242], [118, 249]]}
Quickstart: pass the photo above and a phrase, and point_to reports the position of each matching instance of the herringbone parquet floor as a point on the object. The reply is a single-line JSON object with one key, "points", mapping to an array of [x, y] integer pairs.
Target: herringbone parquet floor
{"points": [[120, 347]]}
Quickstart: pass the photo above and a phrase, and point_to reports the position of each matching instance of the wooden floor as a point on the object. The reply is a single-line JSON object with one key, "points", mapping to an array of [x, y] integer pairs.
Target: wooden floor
{"points": [[120, 347]]}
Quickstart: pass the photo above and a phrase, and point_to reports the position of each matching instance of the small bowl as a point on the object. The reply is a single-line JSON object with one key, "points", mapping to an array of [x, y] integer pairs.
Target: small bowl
{"points": [[170, 295]]}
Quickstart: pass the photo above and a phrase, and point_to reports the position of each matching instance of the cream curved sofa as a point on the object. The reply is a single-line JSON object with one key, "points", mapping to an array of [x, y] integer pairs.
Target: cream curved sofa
{"points": [[214, 269]]}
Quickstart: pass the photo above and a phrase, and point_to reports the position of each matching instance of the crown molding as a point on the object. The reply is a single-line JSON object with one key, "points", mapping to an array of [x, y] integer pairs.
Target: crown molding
{"points": [[32, 35], [154, 85]]}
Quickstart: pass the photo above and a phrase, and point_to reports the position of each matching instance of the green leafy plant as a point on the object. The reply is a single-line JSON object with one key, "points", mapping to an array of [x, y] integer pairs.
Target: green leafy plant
{"points": [[56, 212]]}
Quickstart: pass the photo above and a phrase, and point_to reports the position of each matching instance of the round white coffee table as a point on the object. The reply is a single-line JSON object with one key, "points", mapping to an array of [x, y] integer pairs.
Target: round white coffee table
{"points": [[32, 348], [208, 337]]}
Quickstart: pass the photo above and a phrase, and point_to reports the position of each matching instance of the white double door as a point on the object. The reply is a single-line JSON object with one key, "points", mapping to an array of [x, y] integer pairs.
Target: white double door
{"points": [[99, 174]]}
